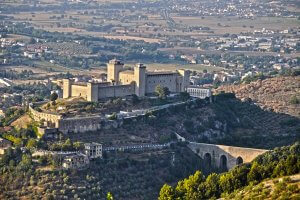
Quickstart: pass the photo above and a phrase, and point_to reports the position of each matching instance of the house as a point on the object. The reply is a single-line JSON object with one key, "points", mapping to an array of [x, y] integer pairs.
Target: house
{"points": [[4, 144], [75, 161], [199, 92], [93, 150]]}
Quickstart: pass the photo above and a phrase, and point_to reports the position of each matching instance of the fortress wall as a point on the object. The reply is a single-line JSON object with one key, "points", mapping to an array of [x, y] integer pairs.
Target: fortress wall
{"points": [[126, 78], [84, 124], [49, 117], [79, 91], [116, 91], [80, 124], [165, 80]]}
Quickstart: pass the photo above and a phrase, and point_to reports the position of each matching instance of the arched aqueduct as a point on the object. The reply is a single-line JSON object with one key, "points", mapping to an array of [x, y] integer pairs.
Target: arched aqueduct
{"points": [[224, 157]]}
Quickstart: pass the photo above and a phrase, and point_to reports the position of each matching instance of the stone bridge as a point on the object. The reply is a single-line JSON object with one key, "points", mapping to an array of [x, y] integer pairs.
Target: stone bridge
{"points": [[224, 157]]}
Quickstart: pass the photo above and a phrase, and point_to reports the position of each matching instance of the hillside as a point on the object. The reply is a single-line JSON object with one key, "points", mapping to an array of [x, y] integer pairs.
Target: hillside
{"points": [[280, 94], [241, 181], [140, 174], [134, 175], [287, 187]]}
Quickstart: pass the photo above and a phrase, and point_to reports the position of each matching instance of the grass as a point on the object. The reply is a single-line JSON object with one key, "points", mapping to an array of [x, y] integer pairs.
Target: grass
{"points": [[282, 188], [22, 122]]}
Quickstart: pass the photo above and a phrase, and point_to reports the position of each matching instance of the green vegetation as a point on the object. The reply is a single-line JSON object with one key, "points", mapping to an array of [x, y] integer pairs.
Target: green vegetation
{"points": [[279, 162], [256, 77], [23, 136], [279, 188], [120, 174], [53, 96], [10, 115], [162, 92], [294, 100]]}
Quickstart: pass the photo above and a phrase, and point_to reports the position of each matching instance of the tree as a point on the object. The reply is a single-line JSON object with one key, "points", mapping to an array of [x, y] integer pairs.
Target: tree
{"points": [[166, 193], [109, 196], [226, 182], [53, 96], [78, 145], [294, 100], [31, 143], [162, 92], [212, 186], [135, 99], [191, 188], [255, 173], [184, 96]]}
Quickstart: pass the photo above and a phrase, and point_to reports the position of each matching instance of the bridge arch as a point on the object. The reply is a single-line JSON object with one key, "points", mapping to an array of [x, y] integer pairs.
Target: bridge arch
{"points": [[223, 163], [207, 160], [239, 160]]}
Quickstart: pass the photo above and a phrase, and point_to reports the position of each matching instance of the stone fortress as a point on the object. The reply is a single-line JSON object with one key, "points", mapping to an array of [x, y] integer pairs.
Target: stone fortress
{"points": [[122, 82]]}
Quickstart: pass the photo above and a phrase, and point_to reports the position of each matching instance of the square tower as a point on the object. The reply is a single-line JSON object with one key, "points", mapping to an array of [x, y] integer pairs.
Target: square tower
{"points": [[140, 79], [66, 88], [114, 67], [185, 74]]}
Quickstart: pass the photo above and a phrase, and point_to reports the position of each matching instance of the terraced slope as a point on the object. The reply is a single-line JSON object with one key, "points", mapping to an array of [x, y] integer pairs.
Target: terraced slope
{"points": [[274, 93]]}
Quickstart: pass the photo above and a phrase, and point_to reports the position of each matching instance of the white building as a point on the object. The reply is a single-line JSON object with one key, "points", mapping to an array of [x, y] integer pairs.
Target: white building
{"points": [[93, 150], [199, 92]]}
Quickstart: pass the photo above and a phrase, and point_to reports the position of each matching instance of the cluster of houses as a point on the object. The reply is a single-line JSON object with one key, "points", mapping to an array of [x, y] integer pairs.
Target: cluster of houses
{"points": [[71, 161], [35, 50], [260, 40], [243, 9], [80, 160]]}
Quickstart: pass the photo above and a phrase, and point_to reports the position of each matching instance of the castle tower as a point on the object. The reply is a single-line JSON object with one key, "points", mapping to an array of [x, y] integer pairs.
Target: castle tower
{"points": [[140, 79], [185, 79], [113, 68], [92, 92], [66, 88]]}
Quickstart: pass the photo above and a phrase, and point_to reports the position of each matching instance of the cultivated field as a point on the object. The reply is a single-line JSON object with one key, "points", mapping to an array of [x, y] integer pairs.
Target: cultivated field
{"points": [[193, 67], [235, 25]]}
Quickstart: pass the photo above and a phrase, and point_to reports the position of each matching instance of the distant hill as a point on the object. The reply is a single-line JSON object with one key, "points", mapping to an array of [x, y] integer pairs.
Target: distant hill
{"points": [[280, 94]]}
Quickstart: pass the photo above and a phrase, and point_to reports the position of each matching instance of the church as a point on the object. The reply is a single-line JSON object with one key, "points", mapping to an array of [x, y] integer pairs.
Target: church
{"points": [[123, 82]]}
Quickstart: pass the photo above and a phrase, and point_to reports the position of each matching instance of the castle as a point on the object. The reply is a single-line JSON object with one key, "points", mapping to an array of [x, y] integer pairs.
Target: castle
{"points": [[122, 82]]}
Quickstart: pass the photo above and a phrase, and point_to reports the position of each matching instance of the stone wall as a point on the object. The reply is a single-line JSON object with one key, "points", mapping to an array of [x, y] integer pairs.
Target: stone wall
{"points": [[79, 91], [232, 154], [165, 80], [115, 91], [48, 117], [126, 77]]}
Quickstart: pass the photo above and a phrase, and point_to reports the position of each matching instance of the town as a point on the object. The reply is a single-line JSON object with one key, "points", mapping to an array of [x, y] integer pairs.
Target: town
{"points": [[143, 99]]}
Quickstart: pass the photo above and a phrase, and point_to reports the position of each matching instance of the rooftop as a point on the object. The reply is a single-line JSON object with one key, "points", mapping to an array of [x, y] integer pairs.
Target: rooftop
{"points": [[161, 72]]}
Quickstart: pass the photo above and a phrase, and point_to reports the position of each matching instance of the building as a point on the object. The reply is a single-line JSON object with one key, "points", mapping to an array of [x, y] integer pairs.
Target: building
{"points": [[93, 150], [122, 82], [4, 144], [75, 161], [199, 92]]}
